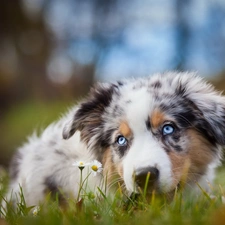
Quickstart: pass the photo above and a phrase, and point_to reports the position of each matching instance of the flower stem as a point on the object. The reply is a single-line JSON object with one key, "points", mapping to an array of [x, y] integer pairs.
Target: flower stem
{"points": [[81, 184]]}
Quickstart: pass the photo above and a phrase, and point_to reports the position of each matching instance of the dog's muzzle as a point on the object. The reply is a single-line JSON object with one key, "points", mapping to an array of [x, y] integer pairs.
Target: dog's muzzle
{"points": [[147, 177]]}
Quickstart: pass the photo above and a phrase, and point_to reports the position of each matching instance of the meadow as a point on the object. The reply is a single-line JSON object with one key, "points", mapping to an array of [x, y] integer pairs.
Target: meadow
{"points": [[120, 209]]}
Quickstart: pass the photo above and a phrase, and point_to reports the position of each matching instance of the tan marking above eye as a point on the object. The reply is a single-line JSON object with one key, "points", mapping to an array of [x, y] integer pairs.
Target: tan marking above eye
{"points": [[157, 118], [124, 129]]}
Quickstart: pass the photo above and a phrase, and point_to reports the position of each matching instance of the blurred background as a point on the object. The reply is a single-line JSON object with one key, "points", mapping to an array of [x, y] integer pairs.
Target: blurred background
{"points": [[51, 52]]}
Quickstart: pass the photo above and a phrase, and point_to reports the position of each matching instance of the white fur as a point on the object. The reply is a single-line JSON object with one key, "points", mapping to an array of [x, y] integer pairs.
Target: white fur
{"points": [[31, 174], [145, 150]]}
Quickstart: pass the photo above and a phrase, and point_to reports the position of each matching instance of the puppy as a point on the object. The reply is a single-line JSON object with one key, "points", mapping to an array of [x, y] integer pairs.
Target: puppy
{"points": [[169, 126]]}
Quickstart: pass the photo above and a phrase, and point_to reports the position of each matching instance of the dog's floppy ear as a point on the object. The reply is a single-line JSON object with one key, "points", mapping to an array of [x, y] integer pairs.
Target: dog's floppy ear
{"points": [[88, 116], [209, 103]]}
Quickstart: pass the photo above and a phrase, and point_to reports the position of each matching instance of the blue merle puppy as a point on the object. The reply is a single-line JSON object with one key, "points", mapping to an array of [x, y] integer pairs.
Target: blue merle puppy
{"points": [[170, 125]]}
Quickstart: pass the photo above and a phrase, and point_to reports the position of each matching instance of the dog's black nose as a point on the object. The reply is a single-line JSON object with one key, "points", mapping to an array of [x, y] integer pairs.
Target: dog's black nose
{"points": [[141, 177]]}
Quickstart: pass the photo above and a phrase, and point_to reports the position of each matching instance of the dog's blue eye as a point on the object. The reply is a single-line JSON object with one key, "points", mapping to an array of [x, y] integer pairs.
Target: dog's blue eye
{"points": [[168, 129], [121, 140]]}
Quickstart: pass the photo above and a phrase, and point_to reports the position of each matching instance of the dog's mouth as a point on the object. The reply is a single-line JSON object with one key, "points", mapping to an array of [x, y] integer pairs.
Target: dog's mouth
{"points": [[151, 190], [151, 187], [135, 198], [154, 187]]}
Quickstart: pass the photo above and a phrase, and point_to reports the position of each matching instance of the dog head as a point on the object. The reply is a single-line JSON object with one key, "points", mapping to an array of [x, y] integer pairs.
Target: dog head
{"points": [[168, 125]]}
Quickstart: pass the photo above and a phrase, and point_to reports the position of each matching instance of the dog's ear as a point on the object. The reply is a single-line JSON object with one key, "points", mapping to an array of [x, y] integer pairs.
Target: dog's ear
{"points": [[88, 117], [208, 104]]}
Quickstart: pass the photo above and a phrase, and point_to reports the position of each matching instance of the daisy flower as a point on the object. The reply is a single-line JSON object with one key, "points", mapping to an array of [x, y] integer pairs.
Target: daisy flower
{"points": [[36, 210], [96, 167], [80, 164]]}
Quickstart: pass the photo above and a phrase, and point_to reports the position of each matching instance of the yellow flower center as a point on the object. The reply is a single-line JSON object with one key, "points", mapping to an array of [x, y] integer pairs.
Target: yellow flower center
{"points": [[81, 163], [94, 168]]}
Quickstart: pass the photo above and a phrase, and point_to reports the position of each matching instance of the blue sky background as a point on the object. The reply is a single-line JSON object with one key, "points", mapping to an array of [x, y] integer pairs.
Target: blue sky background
{"points": [[132, 38]]}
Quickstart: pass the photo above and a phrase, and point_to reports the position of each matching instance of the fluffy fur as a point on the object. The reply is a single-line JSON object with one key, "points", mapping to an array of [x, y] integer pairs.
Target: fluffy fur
{"points": [[171, 125]]}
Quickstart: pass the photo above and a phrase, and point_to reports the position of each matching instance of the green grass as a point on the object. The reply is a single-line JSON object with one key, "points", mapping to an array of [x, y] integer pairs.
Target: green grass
{"points": [[22, 120], [120, 210], [103, 210]]}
